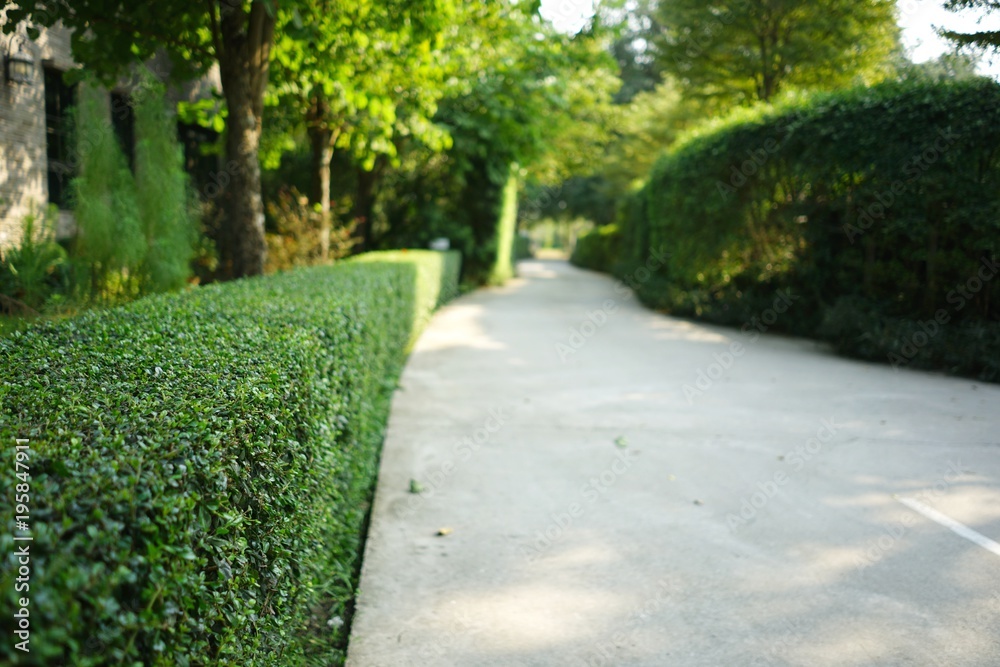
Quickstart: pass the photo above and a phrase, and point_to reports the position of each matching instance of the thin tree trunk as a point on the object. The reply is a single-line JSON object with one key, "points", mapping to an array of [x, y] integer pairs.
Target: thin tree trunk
{"points": [[322, 154], [243, 45]]}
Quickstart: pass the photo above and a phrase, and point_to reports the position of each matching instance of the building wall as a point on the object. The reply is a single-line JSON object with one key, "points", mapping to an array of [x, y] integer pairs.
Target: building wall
{"points": [[23, 162], [23, 166]]}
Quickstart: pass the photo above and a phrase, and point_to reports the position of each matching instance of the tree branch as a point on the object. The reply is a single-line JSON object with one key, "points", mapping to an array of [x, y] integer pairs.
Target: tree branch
{"points": [[213, 20], [73, 17]]}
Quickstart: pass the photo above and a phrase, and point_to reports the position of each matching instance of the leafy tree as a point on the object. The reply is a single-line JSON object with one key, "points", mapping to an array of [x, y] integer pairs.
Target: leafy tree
{"points": [[361, 79], [520, 100], [946, 67], [985, 39], [649, 124], [747, 50], [109, 36], [633, 26]]}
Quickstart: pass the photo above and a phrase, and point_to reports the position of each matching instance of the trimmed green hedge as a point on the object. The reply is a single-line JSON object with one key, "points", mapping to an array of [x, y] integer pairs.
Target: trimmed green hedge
{"points": [[598, 249], [879, 208], [202, 464]]}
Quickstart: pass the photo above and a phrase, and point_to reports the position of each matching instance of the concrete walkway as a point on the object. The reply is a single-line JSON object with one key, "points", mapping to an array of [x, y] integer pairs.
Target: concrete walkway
{"points": [[643, 492]]}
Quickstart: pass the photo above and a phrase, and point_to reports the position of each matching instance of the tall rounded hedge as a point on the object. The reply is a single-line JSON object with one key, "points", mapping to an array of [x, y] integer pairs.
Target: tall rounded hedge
{"points": [[878, 207]]}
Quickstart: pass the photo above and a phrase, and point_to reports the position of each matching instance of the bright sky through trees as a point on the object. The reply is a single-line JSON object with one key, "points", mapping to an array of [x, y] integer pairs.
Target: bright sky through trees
{"points": [[918, 19]]}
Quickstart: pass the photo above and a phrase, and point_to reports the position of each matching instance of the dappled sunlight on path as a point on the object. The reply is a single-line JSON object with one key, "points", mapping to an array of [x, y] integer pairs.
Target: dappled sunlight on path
{"points": [[623, 493]]}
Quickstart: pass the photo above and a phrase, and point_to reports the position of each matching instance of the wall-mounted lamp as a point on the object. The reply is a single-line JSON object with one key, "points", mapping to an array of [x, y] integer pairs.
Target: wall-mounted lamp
{"points": [[20, 65]]}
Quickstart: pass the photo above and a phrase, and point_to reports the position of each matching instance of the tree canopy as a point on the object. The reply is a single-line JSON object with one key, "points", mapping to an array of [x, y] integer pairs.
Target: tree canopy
{"points": [[983, 39], [752, 50]]}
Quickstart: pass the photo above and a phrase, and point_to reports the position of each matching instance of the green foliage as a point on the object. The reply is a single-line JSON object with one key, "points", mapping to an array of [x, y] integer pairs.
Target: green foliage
{"points": [[165, 202], [522, 247], [634, 29], [981, 39], [363, 81], [886, 195], [860, 328], [111, 244], [136, 234], [747, 51], [437, 280], [598, 250], [944, 68], [472, 209], [11, 323], [202, 464], [109, 38], [35, 271], [650, 123], [532, 86]]}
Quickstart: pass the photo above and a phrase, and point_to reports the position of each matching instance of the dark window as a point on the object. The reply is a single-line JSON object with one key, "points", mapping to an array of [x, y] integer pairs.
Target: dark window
{"points": [[199, 162], [59, 99], [123, 120]]}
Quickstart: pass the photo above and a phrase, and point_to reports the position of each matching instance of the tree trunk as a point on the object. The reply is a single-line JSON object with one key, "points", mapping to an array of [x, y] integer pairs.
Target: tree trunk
{"points": [[243, 46], [322, 153]]}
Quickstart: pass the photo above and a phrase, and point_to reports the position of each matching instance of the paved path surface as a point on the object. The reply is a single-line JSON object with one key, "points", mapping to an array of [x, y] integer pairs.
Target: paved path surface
{"points": [[762, 521]]}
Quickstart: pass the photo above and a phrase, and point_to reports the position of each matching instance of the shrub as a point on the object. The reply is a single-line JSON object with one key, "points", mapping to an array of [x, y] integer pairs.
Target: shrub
{"points": [[598, 250], [36, 270], [110, 244], [136, 233], [302, 238], [889, 196], [202, 464], [166, 203]]}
